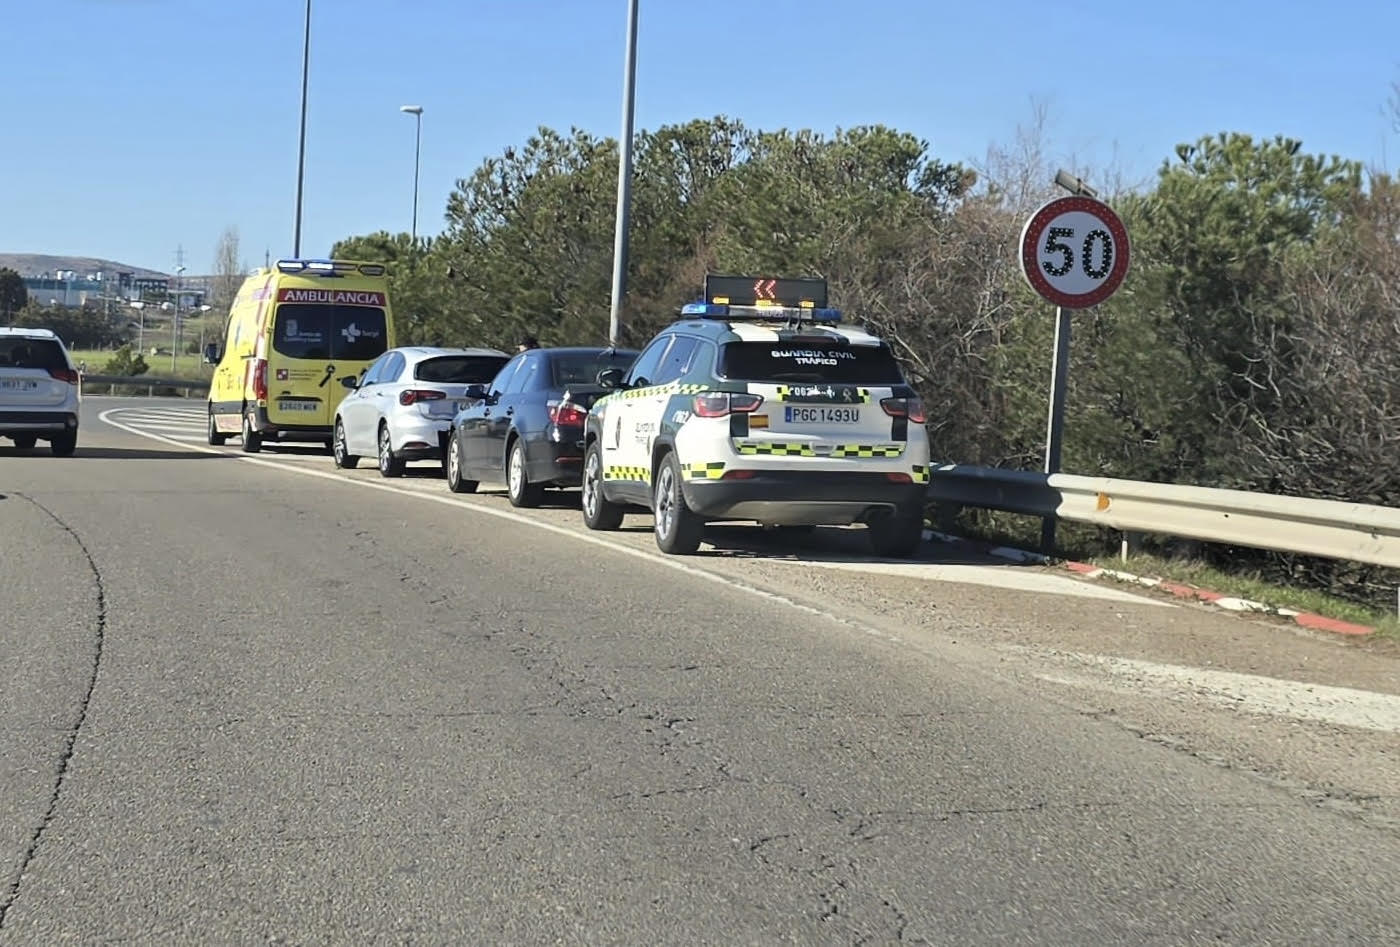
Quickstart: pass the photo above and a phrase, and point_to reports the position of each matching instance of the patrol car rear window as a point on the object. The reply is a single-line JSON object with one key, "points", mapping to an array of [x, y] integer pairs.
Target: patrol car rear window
{"points": [[806, 361], [306, 330], [459, 369], [43, 354]]}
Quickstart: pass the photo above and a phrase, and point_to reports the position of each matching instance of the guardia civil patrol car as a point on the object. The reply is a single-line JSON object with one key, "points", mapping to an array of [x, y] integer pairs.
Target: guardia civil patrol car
{"points": [[758, 404]]}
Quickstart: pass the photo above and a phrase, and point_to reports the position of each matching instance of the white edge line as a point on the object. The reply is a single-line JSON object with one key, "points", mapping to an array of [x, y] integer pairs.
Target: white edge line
{"points": [[655, 558]]}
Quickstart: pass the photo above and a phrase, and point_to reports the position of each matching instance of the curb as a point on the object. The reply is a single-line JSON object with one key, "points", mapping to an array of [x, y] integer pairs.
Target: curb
{"points": [[1089, 571]]}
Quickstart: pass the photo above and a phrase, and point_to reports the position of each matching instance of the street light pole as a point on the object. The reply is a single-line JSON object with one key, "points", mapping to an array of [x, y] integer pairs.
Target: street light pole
{"points": [[301, 150], [417, 112], [624, 174]]}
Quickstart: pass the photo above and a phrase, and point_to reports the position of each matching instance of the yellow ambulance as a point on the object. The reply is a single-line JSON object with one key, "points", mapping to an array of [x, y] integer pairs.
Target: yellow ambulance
{"points": [[295, 330]]}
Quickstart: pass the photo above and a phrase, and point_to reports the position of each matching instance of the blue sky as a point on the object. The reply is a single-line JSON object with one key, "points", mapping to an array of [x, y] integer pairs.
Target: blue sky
{"points": [[143, 125]]}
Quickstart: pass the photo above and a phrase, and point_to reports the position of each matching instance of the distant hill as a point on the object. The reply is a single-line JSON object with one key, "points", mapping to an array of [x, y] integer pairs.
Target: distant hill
{"points": [[32, 264]]}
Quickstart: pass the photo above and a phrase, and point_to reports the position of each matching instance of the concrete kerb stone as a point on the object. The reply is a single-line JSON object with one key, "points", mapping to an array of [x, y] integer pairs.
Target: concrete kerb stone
{"points": [[1089, 571]]}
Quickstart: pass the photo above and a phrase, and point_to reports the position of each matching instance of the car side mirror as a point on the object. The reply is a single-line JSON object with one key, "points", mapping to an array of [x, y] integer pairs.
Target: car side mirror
{"points": [[211, 354], [610, 378], [477, 392], [351, 382]]}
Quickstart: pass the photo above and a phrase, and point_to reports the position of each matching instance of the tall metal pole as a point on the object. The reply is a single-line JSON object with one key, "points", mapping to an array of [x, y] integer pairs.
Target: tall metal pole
{"points": [[301, 151], [1055, 427], [417, 112], [624, 174]]}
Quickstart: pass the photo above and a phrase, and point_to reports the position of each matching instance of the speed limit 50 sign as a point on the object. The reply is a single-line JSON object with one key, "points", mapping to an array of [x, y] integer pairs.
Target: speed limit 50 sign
{"points": [[1074, 252]]}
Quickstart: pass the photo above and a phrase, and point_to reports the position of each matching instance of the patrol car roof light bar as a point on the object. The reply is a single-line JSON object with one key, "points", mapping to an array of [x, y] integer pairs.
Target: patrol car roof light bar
{"points": [[790, 314]]}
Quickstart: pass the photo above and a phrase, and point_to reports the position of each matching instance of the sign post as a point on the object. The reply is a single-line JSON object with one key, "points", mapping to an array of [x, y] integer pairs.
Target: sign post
{"points": [[1074, 253]]}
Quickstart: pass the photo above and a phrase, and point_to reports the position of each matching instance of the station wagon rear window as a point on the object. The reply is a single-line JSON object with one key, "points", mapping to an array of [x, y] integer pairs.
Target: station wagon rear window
{"points": [[351, 333], [459, 369], [582, 368], [782, 362]]}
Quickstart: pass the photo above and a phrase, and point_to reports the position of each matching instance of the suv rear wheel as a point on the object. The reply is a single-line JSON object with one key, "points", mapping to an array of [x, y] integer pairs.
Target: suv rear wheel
{"points": [[25, 441], [896, 536], [64, 444], [678, 529]]}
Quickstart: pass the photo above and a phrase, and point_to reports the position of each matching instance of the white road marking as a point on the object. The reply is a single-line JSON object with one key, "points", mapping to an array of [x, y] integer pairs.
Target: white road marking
{"points": [[1251, 693], [1003, 577]]}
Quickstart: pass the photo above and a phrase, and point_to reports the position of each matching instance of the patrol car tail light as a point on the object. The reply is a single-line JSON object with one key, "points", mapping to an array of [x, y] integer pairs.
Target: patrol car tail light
{"points": [[718, 404], [414, 395], [64, 374], [566, 414], [911, 408], [260, 379]]}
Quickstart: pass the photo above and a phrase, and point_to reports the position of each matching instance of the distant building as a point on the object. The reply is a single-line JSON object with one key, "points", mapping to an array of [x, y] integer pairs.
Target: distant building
{"points": [[72, 289]]}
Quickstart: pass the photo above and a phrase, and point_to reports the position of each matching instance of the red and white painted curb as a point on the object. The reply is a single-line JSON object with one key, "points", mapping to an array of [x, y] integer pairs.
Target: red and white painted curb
{"points": [[1226, 602]]}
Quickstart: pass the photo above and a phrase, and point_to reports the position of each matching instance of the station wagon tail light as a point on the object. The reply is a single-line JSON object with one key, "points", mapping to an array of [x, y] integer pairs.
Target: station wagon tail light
{"points": [[414, 395], [566, 414], [64, 374], [911, 408], [718, 404], [260, 379]]}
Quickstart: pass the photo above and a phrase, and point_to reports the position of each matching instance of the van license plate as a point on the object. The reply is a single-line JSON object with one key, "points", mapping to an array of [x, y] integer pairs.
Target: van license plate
{"points": [[298, 406], [820, 414]]}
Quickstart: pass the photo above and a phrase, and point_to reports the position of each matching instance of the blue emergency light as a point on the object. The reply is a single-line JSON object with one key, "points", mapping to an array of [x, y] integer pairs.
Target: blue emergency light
{"points": [[329, 267], [761, 313]]}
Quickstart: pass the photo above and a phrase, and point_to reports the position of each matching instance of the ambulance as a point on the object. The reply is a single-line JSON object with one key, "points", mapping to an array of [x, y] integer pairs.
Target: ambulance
{"points": [[295, 331]]}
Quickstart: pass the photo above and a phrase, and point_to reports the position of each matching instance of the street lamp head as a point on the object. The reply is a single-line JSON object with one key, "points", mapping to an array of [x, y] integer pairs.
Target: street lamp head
{"points": [[411, 109]]}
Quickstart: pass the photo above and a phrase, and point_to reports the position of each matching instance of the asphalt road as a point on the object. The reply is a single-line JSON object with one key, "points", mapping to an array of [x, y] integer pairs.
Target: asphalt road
{"points": [[265, 701]]}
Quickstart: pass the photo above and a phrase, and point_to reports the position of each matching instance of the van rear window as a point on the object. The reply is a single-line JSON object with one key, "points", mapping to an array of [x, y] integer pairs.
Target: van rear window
{"points": [[459, 369], [318, 332], [809, 361]]}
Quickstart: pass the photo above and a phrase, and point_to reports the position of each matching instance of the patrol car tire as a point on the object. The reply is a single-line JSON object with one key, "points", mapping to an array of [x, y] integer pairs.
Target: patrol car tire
{"points": [[390, 464], [521, 491], [896, 537], [455, 481], [677, 529], [252, 440], [598, 513], [343, 457], [215, 438]]}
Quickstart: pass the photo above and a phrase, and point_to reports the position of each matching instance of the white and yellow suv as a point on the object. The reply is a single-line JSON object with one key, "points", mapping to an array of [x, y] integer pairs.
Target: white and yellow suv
{"points": [[759, 405], [40, 391]]}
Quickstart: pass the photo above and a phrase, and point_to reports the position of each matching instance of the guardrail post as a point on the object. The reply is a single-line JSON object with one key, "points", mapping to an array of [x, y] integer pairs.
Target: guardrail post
{"points": [[1132, 542]]}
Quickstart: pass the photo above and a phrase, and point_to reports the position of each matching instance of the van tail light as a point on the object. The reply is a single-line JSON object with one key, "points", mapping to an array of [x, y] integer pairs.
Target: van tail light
{"points": [[566, 414], [718, 404], [64, 374], [414, 395], [260, 379], [911, 408]]}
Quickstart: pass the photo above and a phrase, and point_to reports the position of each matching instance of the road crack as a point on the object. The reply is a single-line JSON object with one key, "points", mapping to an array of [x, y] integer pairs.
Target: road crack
{"points": [[71, 739]]}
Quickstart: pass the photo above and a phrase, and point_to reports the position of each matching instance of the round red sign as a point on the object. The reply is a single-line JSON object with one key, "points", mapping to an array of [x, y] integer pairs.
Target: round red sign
{"points": [[1074, 252]]}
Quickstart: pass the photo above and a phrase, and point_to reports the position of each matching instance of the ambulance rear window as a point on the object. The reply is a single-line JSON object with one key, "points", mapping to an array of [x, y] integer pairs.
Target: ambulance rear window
{"points": [[317, 331], [809, 361]]}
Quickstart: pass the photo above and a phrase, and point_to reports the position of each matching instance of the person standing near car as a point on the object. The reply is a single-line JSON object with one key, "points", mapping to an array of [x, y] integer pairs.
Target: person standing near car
{"points": [[528, 342]]}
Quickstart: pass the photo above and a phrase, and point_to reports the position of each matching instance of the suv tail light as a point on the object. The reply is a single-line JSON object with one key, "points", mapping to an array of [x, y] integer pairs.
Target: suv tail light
{"points": [[566, 414], [718, 404], [260, 379], [414, 395], [911, 408], [64, 374]]}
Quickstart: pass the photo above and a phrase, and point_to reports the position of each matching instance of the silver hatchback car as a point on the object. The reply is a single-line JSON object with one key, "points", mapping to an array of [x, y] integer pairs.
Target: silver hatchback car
{"points": [[402, 409], [40, 391]]}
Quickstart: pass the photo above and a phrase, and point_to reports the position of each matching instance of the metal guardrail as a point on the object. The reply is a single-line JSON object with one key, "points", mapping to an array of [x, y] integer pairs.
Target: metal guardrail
{"points": [[1333, 529], [113, 382]]}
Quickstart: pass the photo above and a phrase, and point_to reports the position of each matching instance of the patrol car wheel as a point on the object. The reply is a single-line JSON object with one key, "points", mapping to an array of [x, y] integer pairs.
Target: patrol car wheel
{"points": [[518, 486], [677, 528], [343, 458], [455, 481], [896, 537], [390, 465], [215, 437], [598, 513], [252, 440]]}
